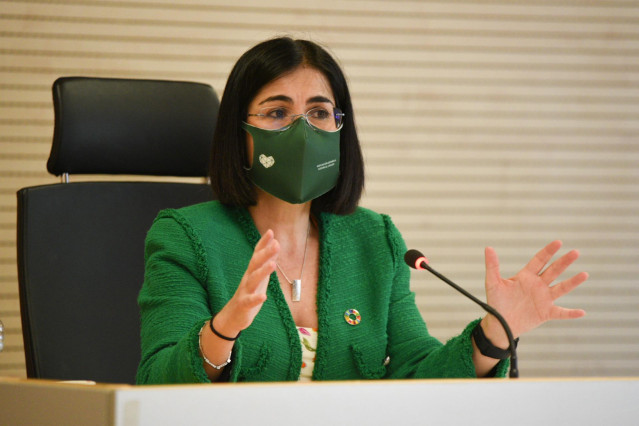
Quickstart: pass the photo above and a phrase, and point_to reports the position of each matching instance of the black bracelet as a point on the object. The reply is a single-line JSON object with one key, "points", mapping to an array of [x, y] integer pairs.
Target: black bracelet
{"points": [[221, 336], [486, 347]]}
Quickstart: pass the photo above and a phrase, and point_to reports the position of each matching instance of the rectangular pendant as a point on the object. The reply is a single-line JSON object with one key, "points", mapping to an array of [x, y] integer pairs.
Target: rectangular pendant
{"points": [[296, 290]]}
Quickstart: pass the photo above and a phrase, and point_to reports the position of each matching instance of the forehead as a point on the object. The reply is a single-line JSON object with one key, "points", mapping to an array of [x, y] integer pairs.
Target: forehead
{"points": [[300, 86]]}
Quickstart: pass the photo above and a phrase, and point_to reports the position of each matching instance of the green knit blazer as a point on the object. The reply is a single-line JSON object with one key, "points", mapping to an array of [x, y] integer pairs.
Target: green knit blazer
{"points": [[196, 256]]}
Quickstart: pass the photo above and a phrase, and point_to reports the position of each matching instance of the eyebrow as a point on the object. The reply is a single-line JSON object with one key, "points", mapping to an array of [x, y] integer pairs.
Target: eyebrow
{"points": [[316, 99], [285, 98], [276, 98]]}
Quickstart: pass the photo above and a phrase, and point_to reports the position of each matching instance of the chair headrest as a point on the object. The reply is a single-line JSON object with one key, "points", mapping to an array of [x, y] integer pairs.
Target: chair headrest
{"points": [[130, 126]]}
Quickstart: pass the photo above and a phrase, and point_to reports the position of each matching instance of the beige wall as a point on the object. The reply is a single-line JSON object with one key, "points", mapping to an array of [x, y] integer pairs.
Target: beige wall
{"points": [[483, 123]]}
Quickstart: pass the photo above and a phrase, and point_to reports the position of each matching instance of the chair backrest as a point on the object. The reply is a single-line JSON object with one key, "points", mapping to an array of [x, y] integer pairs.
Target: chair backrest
{"points": [[81, 244]]}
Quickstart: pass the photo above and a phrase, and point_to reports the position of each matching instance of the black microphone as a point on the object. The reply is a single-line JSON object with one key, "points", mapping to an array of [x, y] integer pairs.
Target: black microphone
{"points": [[416, 260]]}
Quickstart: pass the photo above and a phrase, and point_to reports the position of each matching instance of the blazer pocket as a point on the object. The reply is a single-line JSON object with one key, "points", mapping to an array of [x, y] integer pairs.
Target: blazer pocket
{"points": [[254, 372], [370, 362]]}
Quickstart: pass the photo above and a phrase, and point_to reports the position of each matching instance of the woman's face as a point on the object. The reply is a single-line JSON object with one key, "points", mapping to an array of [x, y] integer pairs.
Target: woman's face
{"points": [[297, 92]]}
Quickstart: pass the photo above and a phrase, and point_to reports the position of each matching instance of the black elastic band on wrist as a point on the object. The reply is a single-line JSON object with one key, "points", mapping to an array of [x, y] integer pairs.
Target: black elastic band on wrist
{"points": [[220, 335], [486, 347]]}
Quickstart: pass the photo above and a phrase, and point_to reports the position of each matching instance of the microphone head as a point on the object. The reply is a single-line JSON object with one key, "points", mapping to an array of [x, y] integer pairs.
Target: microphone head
{"points": [[414, 259]]}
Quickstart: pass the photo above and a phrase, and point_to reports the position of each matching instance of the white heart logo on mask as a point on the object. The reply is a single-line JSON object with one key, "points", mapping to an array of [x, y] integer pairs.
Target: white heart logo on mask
{"points": [[266, 161]]}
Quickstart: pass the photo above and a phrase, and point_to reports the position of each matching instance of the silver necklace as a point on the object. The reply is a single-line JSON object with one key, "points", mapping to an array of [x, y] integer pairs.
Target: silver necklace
{"points": [[296, 285]]}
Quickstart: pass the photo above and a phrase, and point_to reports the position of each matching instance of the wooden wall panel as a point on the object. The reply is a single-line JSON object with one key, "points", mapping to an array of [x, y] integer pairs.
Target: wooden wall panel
{"points": [[483, 122]]}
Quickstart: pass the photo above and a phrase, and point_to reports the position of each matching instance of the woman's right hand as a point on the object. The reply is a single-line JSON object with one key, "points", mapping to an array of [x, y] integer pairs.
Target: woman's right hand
{"points": [[250, 295]]}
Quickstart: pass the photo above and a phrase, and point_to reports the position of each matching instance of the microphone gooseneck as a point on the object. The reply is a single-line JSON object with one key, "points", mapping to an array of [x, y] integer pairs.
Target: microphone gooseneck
{"points": [[416, 260]]}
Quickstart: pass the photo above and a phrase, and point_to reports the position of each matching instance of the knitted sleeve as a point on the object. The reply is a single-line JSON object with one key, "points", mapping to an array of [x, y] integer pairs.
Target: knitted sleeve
{"points": [[413, 352], [173, 303]]}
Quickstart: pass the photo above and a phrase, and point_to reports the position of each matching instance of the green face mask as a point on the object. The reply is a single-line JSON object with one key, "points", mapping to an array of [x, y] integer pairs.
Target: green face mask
{"points": [[296, 164]]}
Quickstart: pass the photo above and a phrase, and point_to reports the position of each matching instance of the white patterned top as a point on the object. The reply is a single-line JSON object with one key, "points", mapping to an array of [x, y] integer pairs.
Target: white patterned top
{"points": [[308, 339]]}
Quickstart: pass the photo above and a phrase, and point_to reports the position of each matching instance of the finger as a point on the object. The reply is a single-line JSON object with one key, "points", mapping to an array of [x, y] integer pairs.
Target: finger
{"points": [[268, 235], [567, 286], [559, 313], [264, 250], [254, 300], [251, 301], [559, 266], [492, 265], [264, 241], [542, 257], [257, 280]]}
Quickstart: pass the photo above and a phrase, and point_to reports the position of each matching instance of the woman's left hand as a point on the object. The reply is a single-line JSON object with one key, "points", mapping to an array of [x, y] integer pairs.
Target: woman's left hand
{"points": [[527, 299]]}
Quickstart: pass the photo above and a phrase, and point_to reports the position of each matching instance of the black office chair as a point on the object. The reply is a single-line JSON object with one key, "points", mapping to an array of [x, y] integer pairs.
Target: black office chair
{"points": [[81, 245]]}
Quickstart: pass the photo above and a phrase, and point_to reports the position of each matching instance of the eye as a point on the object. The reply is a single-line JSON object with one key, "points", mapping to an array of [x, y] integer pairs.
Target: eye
{"points": [[277, 113], [319, 113]]}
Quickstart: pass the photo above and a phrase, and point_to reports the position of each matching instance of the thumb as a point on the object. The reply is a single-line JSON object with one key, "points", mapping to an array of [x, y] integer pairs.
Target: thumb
{"points": [[492, 265]]}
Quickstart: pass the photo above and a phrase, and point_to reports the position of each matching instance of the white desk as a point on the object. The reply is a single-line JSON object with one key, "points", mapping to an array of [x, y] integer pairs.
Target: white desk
{"points": [[605, 401]]}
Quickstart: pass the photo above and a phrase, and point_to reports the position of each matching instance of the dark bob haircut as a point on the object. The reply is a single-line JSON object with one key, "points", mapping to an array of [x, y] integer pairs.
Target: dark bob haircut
{"points": [[256, 68]]}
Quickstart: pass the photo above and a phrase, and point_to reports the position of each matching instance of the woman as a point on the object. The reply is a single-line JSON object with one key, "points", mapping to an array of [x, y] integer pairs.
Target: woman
{"points": [[285, 278]]}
